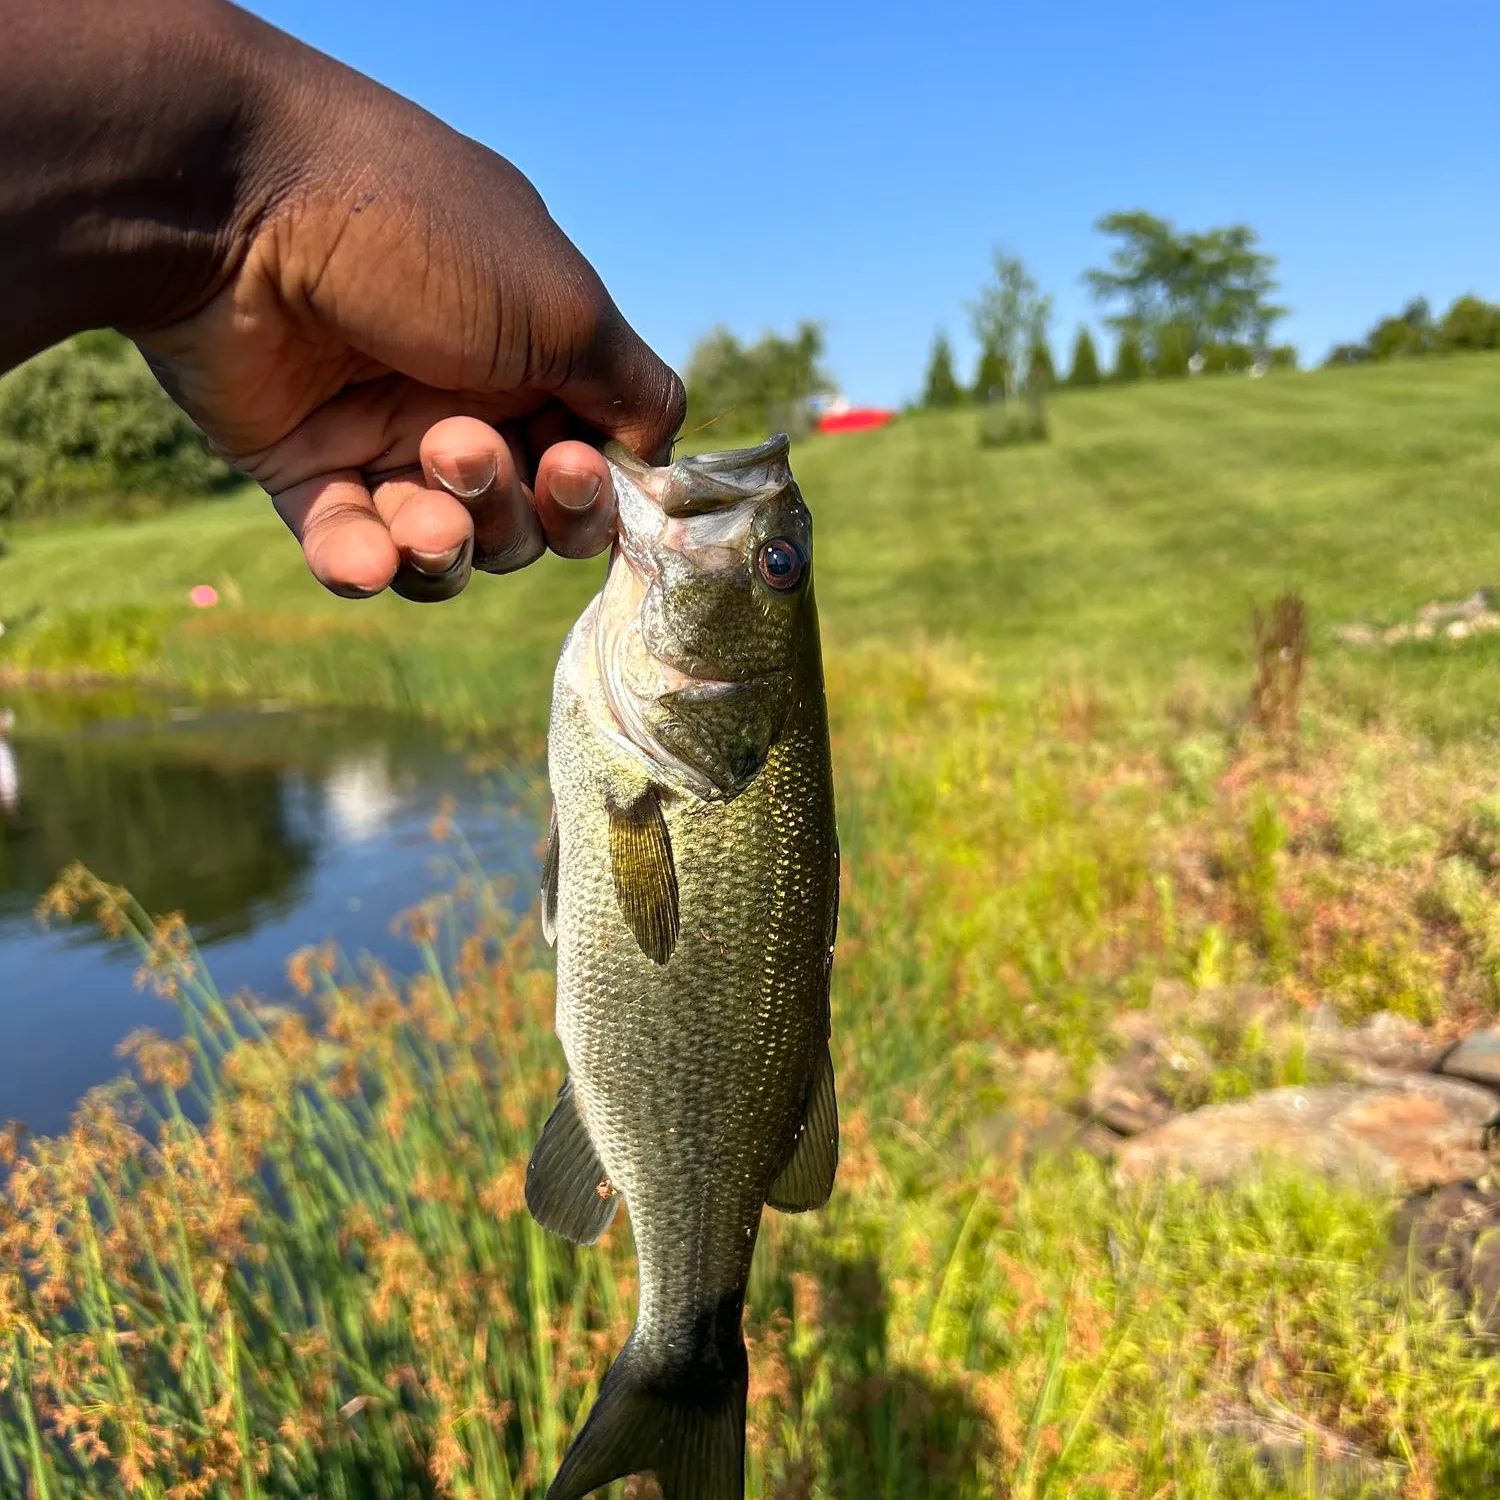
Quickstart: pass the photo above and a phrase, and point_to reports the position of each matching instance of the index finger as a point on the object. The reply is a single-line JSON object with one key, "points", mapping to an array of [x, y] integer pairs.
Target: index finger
{"points": [[346, 544]]}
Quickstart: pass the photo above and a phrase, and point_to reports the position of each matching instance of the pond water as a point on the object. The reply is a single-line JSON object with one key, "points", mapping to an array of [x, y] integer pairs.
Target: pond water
{"points": [[268, 828]]}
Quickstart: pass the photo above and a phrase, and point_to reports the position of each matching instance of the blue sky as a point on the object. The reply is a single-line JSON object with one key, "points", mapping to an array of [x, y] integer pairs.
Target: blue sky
{"points": [[753, 165]]}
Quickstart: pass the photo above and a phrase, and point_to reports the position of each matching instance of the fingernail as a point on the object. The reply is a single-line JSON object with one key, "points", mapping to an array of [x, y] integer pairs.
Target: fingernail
{"points": [[434, 563], [574, 489], [466, 475]]}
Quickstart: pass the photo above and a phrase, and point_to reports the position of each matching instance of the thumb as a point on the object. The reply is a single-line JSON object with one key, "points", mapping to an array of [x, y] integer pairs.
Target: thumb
{"points": [[620, 388]]}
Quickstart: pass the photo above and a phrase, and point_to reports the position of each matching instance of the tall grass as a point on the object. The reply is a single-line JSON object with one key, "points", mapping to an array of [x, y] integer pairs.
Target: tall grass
{"points": [[292, 1258]]}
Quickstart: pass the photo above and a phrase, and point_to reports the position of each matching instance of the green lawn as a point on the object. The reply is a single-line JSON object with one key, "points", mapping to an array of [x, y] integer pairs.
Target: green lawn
{"points": [[1130, 547], [1054, 816]]}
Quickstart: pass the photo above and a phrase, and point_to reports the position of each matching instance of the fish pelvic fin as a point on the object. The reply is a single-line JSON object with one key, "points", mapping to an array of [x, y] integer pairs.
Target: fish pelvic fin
{"points": [[640, 853], [549, 884], [567, 1189], [807, 1179], [685, 1426]]}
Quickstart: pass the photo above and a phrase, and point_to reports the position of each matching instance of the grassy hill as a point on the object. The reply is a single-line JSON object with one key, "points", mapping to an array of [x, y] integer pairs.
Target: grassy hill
{"points": [[1129, 548], [1058, 827]]}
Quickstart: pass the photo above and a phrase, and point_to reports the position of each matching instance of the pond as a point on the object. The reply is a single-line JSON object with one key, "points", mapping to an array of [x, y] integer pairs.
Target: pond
{"points": [[268, 828]]}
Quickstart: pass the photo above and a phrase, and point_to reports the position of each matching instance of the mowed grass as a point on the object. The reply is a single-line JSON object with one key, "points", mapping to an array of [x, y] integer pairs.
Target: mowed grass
{"points": [[1130, 547], [320, 1279]]}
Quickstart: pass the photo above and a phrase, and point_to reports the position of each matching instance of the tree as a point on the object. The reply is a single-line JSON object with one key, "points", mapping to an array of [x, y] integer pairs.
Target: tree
{"points": [[1174, 347], [1471, 323], [1185, 290], [755, 387], [1085, 368], [1041, 372], [1130, 362], [1410, 332], [941, 390], [1010, 320], [85, 424], [992, 378]]}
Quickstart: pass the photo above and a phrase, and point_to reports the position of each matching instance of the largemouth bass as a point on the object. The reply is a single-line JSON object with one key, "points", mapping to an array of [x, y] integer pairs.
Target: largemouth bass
{"points": [[691, 888]]}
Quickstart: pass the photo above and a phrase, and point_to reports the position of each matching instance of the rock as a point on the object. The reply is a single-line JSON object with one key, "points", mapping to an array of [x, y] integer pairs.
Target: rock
{"points": [[1132, 1118], [1476, 1058], [1455, 1233], [1408, 1134], [1381, 1044]]}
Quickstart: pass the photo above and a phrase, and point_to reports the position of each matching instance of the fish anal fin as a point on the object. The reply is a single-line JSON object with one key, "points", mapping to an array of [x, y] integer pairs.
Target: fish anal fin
{"points": [[640, 853], [567, 1189], [549, 883], [686, 1427], [807, 1179]]}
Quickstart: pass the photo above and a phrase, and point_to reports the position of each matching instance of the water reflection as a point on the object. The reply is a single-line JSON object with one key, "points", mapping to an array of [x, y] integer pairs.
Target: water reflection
{"points": [[10, 775], [269, 829]]}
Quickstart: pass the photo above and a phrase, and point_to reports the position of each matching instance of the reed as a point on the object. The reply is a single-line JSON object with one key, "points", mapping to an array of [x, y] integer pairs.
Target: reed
{"points": [[291, 1257]]}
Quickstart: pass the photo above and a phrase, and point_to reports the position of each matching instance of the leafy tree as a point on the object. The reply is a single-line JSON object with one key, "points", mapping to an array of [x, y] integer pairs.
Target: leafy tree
{"points": [[1085, 368], [941, 389], [1185, 290], [86, 424], [755, 387], [1010, 320], [1410, 332], [1130, 362], [1471, 323]]}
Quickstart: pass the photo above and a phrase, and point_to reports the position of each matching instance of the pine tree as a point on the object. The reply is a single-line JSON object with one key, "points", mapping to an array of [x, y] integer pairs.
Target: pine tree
{"points": [[992, 379], [1041, 372], [1130, 363], [1085, 369], [1174, 349], [942, 390]]}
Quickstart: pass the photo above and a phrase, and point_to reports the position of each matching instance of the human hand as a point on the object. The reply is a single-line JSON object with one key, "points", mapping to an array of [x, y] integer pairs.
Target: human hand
{"points": [[405, 350]]}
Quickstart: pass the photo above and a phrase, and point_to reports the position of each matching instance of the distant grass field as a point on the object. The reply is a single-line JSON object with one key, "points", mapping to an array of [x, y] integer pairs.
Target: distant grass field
{"points": [[1053, 814]]}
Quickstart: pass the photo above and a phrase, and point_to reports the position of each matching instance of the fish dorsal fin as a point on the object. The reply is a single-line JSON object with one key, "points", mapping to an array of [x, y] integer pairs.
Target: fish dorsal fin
{"points": [[807, 1179], [567, 1190], [640, 853], [549, 884]]}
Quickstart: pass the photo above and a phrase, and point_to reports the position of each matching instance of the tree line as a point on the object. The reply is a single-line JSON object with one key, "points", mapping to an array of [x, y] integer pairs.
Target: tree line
{"points": [[1470, 325], [1179, 302]]}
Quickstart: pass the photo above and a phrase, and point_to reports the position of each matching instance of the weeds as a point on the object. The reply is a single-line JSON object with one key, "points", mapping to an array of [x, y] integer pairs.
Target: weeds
{"points": [[1281, 663], [292, 1258]]}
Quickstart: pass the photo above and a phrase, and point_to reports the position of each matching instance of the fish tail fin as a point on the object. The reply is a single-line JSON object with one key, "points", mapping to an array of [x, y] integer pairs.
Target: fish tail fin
{"points": [[685, 1426]]}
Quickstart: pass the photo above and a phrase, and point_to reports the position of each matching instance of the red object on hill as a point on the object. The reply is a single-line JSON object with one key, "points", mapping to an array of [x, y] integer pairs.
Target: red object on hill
{"points": [[856, 420]]}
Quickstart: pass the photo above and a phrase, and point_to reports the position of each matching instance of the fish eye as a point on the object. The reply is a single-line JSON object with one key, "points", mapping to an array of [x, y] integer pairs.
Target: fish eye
{"points": [[782, 564]]}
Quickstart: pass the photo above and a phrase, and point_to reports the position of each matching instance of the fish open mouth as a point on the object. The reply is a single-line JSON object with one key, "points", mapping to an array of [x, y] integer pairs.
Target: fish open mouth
{"points": [[708, 733]]}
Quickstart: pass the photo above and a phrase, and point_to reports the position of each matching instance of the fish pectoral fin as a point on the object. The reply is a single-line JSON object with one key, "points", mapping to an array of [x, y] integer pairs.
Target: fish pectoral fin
{"points": [[640, 855], [567, 1188], [807, 1179], [549, 884]]}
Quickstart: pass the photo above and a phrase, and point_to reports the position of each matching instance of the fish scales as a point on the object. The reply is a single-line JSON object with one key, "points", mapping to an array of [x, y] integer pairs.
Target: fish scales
{"points": [[692, 1077]]}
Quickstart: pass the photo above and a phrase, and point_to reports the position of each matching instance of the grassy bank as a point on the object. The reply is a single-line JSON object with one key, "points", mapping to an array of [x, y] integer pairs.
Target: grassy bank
{"points": [[1055, 818], [331, 1287]]}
